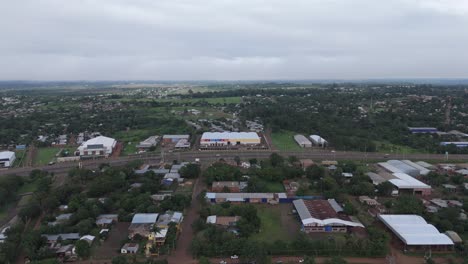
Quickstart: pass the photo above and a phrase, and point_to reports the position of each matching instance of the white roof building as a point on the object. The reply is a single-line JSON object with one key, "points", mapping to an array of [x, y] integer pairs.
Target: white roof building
{"points": [[98, 146], [229, 138], [413, 230], [316, 214], [318, 140], [404, 181], [302, 141], [7, 158]]}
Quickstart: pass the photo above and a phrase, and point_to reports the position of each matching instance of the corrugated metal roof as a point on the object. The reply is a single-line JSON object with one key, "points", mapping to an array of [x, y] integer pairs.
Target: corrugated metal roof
{"points": [[302, 140], [403, 167], [144, 218], [405, 181], [414, 230]]}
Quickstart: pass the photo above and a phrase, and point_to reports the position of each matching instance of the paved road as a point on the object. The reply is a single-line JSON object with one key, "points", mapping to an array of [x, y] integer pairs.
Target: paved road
{"points": [[207, 156]]}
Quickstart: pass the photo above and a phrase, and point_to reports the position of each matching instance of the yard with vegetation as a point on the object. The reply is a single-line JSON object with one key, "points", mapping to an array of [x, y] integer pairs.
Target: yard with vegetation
{"points": [[284, 141], [275, 224], [45, 155]]}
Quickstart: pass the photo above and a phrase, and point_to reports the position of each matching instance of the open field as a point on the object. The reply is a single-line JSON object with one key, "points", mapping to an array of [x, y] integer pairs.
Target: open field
{"points": [[28, 187], [284, 141], [276, 223], [45, 155], [385, 147]]}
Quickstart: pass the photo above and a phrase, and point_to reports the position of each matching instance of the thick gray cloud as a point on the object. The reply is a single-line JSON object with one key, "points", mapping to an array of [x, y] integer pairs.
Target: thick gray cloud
{"points": [[232, 39]]}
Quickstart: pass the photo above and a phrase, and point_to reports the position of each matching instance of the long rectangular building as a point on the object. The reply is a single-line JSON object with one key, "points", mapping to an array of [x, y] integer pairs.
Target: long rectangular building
{"points": [[302, 141], [323, 216], [229, 139], [7, 158], [246, 197], [423, 130]]}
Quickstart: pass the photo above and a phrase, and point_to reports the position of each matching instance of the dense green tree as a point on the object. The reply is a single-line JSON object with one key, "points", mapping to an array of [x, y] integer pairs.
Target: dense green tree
{"points": [[83, 250]]}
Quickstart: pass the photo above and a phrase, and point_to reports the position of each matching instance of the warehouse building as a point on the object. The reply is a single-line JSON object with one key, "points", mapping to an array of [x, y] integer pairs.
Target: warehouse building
{"points": [[318, 140], [407, 184], [229, 139], [323, 216], [405, 166], [7, 158], [174, 138], [458, 144], [302, 141], [375, 178], [100, 146], [415, 234], [423, 130], [149, 142], [271, 198]]}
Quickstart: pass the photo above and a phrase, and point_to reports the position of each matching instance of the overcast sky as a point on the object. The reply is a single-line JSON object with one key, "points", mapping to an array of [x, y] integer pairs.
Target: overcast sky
{"points": [[232, 40]]}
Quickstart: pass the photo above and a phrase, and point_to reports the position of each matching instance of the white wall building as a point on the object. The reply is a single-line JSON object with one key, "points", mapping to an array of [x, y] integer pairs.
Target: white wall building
{"points": [[97, 147], [7, 158], [229, 138]]}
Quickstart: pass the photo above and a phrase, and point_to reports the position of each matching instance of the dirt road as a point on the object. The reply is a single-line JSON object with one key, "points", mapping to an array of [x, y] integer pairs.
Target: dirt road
{"points": [[182, 253]]}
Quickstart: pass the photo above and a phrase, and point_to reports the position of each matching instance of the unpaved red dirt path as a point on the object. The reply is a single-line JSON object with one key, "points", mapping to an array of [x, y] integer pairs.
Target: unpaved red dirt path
{"points": [[182, 253]]}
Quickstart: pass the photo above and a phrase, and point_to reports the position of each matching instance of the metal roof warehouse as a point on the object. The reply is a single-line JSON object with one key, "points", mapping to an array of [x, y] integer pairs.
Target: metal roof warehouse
{"points": [[414, 231]]}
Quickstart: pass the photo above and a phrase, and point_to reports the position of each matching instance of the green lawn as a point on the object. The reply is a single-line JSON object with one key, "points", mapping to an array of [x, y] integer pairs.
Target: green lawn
{"points": [[386, 147], [20, 154], [28, 187], [274, 186], [284, 141], [45, 155], [272, 228]]}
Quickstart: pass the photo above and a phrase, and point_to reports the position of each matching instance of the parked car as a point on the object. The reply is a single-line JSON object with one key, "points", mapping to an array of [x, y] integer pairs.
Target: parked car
{"points": [[234, 257]]}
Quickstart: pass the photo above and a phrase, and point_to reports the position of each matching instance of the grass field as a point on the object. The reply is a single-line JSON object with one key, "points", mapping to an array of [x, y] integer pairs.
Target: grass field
{"points": [[28, 187], [385, 147], [45, 155], [284, 141], [274, 186], [274, 226]]}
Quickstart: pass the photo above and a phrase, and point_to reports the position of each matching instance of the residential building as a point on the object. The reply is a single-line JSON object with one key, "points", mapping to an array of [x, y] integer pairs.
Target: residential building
{"points": [[169, 217], [106, 220], [224, 221], [142, 224], [7, 158], [100, 146], [52, 239], [367, 200], [130, 248], [323, 216], [415, 234]]}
